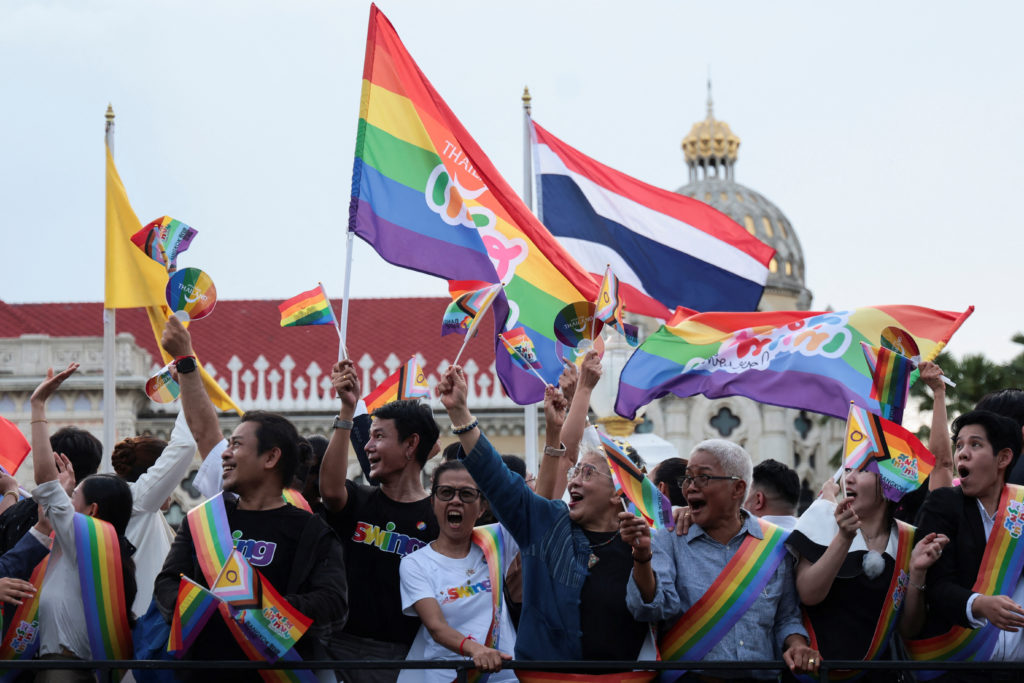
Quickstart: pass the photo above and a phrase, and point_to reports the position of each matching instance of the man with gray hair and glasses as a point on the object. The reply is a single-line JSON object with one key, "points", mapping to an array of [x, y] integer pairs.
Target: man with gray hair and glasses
{"points": [[686, 581]]}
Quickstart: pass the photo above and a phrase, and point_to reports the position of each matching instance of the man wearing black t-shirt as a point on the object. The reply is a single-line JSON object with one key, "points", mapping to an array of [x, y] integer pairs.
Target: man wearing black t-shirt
{"points": [[378, 525], [295, 551]]}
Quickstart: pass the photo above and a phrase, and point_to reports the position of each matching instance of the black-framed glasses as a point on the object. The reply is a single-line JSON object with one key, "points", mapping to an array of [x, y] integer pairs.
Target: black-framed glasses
{"points": [[585, 471], [467, 494], [701, 480]]}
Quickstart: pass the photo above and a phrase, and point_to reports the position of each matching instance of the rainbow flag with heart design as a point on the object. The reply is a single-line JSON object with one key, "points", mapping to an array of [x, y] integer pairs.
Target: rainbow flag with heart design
{"points": [[795, 359], [426, 197]]}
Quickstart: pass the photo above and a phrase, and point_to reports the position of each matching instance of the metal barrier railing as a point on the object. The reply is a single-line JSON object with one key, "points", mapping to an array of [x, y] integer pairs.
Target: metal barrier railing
{"points": [[462, 667]]}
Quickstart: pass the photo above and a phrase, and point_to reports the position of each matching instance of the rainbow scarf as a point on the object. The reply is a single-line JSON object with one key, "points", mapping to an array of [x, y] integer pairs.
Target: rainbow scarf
{"points": [[1000, 570], [895, 593], [739, 584], [426, 197], [795, 359], [211, 536], [295, 497], [641, 491], [21, 641], [102, 580]]}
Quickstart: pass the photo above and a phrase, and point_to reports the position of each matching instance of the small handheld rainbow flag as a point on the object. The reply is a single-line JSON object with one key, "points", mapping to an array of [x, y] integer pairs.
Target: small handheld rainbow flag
{"points": [[276, 625], [237, 584], [519, 344], [467, 308], [193, 609], [641, 491], [163, 239], [308, 308], [405, 383], [610, 308], [890, 379], [874, 444], [13, 446]]}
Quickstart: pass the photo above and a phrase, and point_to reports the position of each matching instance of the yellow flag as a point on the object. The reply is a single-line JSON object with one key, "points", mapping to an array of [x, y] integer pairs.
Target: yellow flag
{"points": [[133, 280]]}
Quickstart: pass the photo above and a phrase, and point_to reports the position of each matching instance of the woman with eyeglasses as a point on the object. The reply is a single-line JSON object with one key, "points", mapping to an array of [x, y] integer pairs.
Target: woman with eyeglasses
{"points": [[454, 583], [574, 564]]}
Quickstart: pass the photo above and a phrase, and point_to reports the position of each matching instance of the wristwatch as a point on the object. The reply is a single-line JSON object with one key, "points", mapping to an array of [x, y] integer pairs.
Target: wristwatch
{"points": [[342, 424], [555, 452], [185, 364]]}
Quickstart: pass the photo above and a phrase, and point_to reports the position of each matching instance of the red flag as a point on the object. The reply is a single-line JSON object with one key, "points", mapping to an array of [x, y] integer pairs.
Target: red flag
{"points": [[13, 446]]}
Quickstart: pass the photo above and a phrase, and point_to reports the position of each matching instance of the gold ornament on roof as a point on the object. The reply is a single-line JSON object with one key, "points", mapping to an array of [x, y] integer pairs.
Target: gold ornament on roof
{"points": [[710, 139]]}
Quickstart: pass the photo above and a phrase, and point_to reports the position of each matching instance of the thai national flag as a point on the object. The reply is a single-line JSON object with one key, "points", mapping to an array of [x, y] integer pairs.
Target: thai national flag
{"points": [[668, 250]]}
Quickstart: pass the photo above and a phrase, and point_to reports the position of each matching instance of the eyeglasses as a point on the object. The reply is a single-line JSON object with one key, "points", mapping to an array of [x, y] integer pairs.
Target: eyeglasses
{"points": [[700, 480], [585, 471], [467, 494]]}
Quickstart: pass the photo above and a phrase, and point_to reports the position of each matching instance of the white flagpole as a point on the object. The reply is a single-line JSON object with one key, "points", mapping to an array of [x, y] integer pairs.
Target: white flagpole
{"points": [[109, 356], [342, 351], [343, 328], [530, 424]]}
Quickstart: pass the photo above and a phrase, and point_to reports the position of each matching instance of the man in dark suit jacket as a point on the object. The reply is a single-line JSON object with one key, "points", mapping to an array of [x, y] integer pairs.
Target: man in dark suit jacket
{"points": [[986, 447]]}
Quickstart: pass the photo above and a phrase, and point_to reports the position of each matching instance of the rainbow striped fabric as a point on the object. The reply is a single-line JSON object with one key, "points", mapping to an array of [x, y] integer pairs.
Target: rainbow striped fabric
{"points": [[237, 584], [275, 624], [641, 491], [102, 583], [467, 309], [21, 640], [890, 379], [1001, 567], [308, 308], [426, 197], [295, 497], [404, 383], [163, 239], [521, 348], [611, 307], [193, 609], [14, 447], [796, 359], [727, 599], [877, 445]]}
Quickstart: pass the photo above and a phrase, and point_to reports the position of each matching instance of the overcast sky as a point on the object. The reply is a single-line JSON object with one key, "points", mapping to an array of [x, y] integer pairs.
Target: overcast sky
{"points": [[890, 134]]}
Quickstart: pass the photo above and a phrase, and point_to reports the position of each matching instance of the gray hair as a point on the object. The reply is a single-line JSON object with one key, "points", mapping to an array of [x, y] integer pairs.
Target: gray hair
{"points": [[735, 461]]}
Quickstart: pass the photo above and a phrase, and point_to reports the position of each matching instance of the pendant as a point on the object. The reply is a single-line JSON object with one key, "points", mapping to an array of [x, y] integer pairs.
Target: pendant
{"points": [[592, 560]]}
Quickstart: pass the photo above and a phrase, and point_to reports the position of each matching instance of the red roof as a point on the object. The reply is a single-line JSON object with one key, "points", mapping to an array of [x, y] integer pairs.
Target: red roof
{"points": [[251, 328]]}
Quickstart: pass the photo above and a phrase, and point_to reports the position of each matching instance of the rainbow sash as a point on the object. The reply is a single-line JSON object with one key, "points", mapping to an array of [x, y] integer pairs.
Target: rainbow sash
{"points": [[211, 535], [22, 638], [739, 584], [102, 580], [295, 497], [895, 593], [1000, 570], [489, 539]]}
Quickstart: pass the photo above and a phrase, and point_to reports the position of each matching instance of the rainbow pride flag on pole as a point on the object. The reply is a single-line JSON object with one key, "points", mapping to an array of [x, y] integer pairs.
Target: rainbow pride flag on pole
{"points": [[163, 239], [796, 359], [641, 491], [404, 383], [877, 445], [426, 197], [890, 379], [611, 307], [308, 308], [467, 309], [193, 609]]}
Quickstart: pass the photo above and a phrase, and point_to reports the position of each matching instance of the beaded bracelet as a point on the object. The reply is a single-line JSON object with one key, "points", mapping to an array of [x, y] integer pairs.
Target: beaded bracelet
{"points": [[468, 428]]}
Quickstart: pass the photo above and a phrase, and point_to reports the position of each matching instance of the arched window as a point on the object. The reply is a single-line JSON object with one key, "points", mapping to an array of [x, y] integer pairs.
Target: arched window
{"points": [[724, 422]]}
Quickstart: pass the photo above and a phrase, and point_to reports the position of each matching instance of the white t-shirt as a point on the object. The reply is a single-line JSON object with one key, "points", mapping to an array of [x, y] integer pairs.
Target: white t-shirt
{"points": [[61, 614], [148, 529], [462, 587]]}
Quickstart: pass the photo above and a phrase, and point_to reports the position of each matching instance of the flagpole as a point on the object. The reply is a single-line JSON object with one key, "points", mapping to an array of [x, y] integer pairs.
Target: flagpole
{"points": [[342, 351], [530, 426], [343, 327], [109, 360]]}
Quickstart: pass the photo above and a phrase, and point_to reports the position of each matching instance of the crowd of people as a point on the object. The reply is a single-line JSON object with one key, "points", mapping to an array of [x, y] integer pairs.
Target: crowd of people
{"points": [[483, 562]]}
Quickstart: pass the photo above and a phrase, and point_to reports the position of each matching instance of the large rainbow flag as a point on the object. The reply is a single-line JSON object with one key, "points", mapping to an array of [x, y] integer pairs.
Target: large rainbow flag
{"points": [[426, 197], [797, 359]]}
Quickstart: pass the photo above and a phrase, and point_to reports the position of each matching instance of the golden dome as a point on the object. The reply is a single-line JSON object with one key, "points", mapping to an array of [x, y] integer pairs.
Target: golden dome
{"points": [[710, 139]]}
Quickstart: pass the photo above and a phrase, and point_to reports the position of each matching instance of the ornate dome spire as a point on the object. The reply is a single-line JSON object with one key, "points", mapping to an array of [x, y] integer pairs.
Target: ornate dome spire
{"points": [[709, 146]]}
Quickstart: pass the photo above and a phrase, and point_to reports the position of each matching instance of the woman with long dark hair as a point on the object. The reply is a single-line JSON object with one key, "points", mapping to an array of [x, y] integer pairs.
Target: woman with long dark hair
{"points": [[94, 515]]}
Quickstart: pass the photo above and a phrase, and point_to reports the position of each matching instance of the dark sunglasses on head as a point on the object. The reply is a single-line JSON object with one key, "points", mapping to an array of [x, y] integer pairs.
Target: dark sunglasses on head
{"points": [[467, 494]]}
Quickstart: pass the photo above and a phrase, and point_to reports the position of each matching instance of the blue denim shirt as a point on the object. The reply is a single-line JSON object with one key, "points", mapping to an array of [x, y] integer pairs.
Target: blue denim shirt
{"points": [[554, 555], [686, 566]]}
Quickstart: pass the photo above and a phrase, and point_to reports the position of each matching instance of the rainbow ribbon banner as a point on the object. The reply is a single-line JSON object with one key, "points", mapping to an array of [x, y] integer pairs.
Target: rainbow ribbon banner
{"points": [[426, 197], [796, 359]]}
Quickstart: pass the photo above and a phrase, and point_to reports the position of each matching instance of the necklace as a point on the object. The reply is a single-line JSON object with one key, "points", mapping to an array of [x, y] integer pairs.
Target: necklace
{"points": [[594, 559]]}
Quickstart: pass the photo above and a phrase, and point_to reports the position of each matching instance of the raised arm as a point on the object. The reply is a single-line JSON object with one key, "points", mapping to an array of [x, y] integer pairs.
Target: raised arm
{"points": [[200, 413], [43, 464], [551, 474], [938, 441], [334, 468], [925, 553], [579, 385]]}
